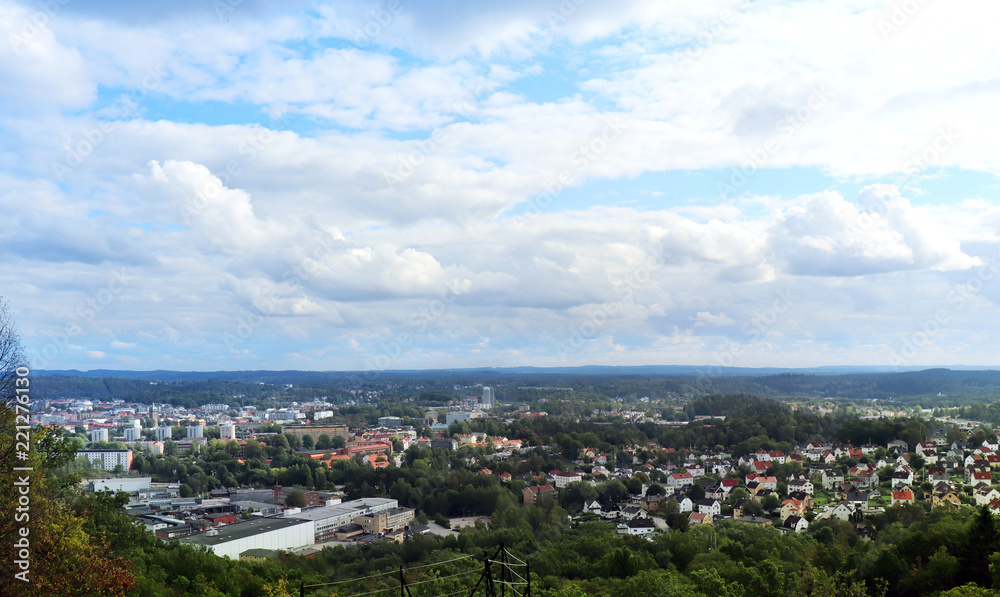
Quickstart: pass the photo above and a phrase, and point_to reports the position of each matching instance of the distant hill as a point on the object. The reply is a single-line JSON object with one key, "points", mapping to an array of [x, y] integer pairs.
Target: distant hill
{"points": [[202, 387], [325, 377]]}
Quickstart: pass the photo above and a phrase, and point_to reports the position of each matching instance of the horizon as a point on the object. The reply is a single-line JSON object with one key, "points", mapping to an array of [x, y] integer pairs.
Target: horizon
{"points": [[360, 186]]}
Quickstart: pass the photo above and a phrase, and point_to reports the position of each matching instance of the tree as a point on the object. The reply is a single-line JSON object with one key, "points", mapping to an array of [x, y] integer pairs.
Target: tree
{"points": [[296, 498], [11, 356], [307, 442], [324, 442]]}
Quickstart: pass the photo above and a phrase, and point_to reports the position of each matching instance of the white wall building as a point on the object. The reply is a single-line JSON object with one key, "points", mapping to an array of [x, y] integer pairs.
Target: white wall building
{"points": [[328, 518], [195, 431], [257, 533], [227, 431], [164, 433], [99, 435], [132, 434], [108, 459]]}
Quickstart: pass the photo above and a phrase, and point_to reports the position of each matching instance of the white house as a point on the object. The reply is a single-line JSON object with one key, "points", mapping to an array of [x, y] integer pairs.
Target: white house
{"points": [[795, 524], [710, 506]]}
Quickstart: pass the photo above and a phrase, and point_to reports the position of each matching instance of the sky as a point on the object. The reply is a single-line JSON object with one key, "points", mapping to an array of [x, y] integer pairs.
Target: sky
{"points": [[232, 184]]}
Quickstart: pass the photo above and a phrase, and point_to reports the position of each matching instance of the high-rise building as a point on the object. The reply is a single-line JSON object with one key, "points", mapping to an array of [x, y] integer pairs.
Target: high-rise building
{"points": [[227, 431], [487, 397], [164, 433], [194, 431], [99, 435], [132, 434]]}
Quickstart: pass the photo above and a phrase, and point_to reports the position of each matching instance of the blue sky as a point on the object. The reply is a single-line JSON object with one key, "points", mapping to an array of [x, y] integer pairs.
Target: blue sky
{"points": [[372, 185]]}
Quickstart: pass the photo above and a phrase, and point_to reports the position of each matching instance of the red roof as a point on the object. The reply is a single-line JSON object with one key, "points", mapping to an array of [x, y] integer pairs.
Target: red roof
{"points": [[902, 495]]}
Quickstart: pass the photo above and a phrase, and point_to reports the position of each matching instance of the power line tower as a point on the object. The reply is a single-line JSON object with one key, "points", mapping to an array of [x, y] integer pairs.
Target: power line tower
{"points": [[500, 573]]}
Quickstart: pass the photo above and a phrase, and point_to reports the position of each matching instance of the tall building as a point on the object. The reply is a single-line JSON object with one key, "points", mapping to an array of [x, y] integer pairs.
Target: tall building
{"points": [[164, 433], [487, 397], [132, 434], [108, 459], [194, 431], [227, 431], [98, 435]]}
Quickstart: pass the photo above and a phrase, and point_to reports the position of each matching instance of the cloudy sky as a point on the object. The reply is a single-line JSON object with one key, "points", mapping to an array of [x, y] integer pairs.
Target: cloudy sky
{"points": [[234, 184]]}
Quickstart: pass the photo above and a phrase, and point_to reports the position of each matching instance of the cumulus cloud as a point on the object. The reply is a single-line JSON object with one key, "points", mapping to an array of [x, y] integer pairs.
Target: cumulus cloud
{"points": [[827, 235], [331, 178]]}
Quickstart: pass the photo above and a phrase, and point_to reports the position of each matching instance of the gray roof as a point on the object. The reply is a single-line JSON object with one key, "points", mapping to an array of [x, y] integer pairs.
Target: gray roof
{"points": [[324, 512], [241, 530]]}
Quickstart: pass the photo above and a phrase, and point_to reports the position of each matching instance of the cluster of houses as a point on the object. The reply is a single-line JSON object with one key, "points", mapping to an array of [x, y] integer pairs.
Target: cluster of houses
{"points": [[877, 477]]}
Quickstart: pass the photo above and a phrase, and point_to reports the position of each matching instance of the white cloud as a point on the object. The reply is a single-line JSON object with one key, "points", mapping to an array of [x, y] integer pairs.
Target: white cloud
{"points": [[398, 188]]}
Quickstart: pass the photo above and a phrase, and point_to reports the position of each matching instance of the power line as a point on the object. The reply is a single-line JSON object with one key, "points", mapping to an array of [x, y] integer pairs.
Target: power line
{"points": [[487, 582]]}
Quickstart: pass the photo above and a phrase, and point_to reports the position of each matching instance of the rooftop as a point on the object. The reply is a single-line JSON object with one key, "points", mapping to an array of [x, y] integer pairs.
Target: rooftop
{"points": [[241, 530], [324, 512]]}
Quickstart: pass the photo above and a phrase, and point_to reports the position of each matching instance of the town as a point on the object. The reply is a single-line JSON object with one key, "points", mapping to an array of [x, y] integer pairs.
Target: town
{"points": [[251, 484]]}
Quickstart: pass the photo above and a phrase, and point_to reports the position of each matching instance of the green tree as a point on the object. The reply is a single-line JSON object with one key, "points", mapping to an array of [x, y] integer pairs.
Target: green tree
{"points": [[296, 498]]}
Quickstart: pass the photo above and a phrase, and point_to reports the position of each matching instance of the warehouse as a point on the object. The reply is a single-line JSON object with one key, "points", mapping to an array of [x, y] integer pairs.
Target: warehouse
{"points": [[328, 519], [257, 533]]}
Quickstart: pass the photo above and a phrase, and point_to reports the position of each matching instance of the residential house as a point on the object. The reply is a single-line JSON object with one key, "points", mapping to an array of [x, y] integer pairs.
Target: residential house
{"points": [[795, 524], [792, 507], [839, 512], [715, 492], [867, 479], [841, 491], [803, 485], [696, 470], [652, 503], [945, 498], [832, 478], [937, 474], [727, 485], [710, 506], [805, 498], [699, 518], [561, 480], [901, 478], [898, 445], [976, 477], [685, 503], [777, 456], [632, 512], [984, 494], [533, 495], [902, 496], [680, 480], [768, 482], [637, 526]]}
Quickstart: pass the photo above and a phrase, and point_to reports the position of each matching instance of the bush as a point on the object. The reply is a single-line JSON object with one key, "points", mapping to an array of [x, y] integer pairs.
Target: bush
{"points": [[442, 520]]}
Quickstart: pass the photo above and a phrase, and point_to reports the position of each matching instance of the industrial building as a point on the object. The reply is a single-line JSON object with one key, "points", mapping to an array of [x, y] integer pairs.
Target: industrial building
{"points": [[328, 519], [281, 532]]}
